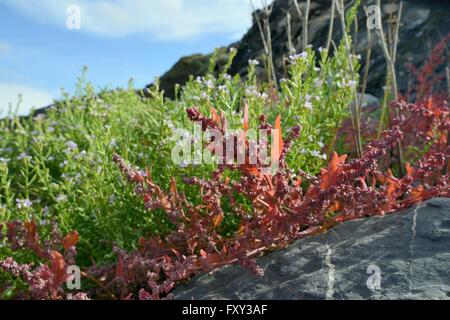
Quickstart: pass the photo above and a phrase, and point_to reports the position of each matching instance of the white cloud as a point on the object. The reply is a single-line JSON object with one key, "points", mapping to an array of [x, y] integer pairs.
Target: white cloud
{"points": [[158, 19], [5, 48], [31, 97]]}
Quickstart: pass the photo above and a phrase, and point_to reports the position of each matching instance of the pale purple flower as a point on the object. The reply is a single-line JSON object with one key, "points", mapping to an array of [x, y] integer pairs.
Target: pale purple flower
{"points": [[71, 145], [23, 203], [209, 84], [296, 57]]}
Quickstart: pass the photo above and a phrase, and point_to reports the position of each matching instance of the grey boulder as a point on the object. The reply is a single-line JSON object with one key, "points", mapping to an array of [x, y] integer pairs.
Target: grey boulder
{"points": [[404, 255]]}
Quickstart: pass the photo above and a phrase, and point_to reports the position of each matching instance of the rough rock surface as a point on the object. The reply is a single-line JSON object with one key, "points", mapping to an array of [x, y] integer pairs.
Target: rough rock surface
{"points": [[410, 248], [423, 24]]}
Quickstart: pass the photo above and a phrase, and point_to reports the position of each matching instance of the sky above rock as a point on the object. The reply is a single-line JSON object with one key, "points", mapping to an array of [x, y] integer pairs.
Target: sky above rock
{"points": [[44, 44]]}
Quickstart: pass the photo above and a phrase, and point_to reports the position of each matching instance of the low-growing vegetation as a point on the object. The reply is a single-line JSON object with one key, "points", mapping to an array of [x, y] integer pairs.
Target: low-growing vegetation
{"points": [[90, 182]]}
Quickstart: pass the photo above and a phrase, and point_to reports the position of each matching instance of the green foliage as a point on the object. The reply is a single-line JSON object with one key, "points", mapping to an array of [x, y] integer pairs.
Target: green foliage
{"points": [[60, 160]]}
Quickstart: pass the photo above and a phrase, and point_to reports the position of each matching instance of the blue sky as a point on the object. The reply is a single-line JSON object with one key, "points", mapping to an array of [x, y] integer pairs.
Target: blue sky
{"points": [[117, 40]]}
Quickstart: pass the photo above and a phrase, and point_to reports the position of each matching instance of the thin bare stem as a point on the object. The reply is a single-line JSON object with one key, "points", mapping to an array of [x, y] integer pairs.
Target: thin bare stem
{"points": [[266, 39], [390, 60], [356, 121], [297, 7], [305, 25], [366, 68], [289, 33], [330, 28]]}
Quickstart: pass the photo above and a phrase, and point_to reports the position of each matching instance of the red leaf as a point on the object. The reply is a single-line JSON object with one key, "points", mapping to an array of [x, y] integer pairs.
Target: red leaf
{"points": [[409, 169], [70, 240], [278, 144], [119, 269], [245, 119], [58, 267], [217, 220], [329, 175], [215, 117]]}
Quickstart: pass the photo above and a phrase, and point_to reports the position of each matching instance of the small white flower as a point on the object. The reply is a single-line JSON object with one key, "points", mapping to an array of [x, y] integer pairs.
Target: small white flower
{"points": [[61, 198], [169, 123], [253, 62], [64, 163], [222, 88], [308, 105], [113, 143], [23, 155], [4, 160], [81, 155], [352, 83], [233, 50], [315, 153], [39, 117]]}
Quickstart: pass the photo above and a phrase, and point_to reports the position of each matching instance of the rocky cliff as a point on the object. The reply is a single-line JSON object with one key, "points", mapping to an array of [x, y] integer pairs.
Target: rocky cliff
{"points": [[423, 24]]}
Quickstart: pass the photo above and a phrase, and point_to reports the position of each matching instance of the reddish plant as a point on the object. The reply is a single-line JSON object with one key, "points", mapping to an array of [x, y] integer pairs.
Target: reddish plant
{"points": [[282, 211], [46, 280]]}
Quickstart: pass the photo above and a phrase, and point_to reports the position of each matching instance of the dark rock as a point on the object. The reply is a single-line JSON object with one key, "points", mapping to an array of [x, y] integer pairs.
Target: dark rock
{"points": [[194, 65], [410, 248]]}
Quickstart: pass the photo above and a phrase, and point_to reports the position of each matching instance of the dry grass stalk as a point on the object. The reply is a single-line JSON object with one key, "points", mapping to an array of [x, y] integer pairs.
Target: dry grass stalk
{"points": [[390, 56]]}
